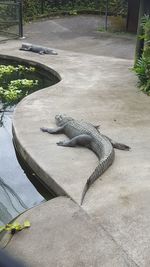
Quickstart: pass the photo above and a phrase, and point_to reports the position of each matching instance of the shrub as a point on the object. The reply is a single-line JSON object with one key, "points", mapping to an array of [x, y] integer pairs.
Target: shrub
{"points": [[142, 70], [14, 85], [8, 73], [16, 90], [142, 67], [33, 8]]}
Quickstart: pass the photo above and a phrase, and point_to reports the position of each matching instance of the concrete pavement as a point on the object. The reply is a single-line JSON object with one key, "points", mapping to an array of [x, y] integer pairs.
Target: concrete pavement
{"points": [[62, 234], [81, 34]]}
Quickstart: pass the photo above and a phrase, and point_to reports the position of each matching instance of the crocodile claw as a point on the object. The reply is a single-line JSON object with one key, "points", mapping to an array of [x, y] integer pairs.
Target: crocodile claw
{"points": [[123, 147], [43, 129], [60, 143]]}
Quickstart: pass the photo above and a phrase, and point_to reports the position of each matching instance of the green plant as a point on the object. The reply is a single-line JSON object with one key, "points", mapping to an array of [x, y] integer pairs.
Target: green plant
{"points": [[73, 12], [15, 83], [102, 29], [146, 27], [142, 70], [16, 90], [15, 227], [31, 8], [34, 8], [8, 73], [142, 66]]}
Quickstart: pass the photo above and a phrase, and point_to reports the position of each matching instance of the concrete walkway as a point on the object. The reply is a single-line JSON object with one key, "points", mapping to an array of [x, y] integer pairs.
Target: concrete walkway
{"points": [[100, 90], [81, 34], [62, 234]]}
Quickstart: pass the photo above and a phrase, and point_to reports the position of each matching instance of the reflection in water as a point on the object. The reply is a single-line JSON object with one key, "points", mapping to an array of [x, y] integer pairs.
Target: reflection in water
{"points": [[16, 191], [5, 216], [7, 189], [14, 202]]}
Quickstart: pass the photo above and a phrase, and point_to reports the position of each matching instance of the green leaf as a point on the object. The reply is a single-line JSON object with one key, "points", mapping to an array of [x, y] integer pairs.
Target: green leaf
{"points": [[26, 224], [15, 227], [2, 228]]}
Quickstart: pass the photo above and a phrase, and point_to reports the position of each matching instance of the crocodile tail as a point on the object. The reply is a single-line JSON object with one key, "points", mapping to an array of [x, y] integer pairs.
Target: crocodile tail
{"points": [[86, 187], [100, 169], [97, 172]]}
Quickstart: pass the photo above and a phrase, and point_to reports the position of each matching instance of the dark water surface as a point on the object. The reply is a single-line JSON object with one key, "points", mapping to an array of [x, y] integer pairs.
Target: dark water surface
{"points": [[17, 193]]}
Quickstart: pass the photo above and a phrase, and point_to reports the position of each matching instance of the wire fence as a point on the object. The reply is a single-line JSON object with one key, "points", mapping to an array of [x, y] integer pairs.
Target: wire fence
{"points": [[37, 7], [62, 4], [12, 12], [10, 19]]}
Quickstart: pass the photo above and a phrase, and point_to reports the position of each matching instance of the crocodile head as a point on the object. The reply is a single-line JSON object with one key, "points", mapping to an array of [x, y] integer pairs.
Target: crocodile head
{"points": [[61, 119]]}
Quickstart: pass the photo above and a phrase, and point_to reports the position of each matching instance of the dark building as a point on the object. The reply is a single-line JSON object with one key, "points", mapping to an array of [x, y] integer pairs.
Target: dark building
{"points": [[133, 13]]}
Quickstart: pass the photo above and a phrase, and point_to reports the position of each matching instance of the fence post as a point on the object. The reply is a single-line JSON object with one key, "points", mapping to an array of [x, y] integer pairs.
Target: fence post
{"points": [[106, 15], [20, 8], [42, 6]]}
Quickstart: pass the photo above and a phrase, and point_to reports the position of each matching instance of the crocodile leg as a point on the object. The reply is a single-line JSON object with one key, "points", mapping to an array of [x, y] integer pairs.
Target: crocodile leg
{"points": [[41, 52], [117, 145], [82, 140], [25, 48], [96, 127], [52, 131]]}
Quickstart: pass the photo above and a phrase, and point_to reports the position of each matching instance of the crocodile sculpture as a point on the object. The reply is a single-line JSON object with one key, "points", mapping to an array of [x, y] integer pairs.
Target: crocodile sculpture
{"points": [[86, 134], [37, 49]]}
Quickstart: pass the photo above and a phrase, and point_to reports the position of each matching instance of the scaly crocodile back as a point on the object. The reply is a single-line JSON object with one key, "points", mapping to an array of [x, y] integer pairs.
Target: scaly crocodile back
{"points": [[99, 144]]}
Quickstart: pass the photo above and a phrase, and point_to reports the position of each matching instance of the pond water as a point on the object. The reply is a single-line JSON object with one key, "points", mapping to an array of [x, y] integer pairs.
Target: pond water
{"points": [[16, 192], [19, 187]]}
